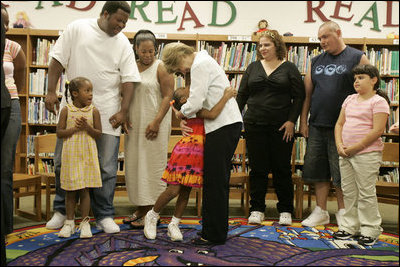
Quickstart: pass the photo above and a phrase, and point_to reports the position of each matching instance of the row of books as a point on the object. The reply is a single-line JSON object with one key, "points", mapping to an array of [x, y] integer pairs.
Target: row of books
{"points": [[46, 166], [40, 54], [37, 112], [38, 83], [391, 176], [385, 60], [30, 149], [301, 56], [237, 57], [391, 87]]}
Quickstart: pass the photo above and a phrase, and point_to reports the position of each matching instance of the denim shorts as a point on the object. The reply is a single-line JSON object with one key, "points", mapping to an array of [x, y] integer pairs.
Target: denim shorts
{"points": [[321, 161]]}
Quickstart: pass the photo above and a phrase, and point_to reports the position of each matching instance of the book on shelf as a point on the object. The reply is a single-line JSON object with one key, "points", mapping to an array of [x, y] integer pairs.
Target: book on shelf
{"points": [[38, 83], [40, 54], [386, 61], [237, 57], [390, 176], [37, 112]]}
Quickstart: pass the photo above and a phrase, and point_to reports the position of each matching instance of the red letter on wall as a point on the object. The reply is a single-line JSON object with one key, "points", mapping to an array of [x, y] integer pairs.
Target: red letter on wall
{"points": [[72, 5], [317, 10], [337, 10], [192, 17], [389, 12]]}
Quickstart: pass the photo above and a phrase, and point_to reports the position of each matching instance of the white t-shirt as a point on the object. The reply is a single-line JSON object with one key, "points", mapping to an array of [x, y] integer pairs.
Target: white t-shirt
{"points": [[207, 86], [87, 51]]}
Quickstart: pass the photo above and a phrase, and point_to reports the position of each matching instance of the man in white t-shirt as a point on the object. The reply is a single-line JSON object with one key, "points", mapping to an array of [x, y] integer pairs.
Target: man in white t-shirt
{"points": [[98, 50]]}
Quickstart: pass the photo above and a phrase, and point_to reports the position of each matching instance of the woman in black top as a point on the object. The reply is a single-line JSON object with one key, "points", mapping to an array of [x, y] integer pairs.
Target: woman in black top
{"points": [[274, 92]]}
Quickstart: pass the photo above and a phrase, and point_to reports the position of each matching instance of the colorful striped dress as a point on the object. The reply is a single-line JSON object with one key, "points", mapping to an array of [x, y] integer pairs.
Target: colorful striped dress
{"points": [[185, 166]]}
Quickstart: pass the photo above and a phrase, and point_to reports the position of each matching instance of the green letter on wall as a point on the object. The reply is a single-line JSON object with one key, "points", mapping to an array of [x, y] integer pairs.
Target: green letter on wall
{"points": [[160, 13], [374, 17], [141, 11], [55, 3], [214, 14]]}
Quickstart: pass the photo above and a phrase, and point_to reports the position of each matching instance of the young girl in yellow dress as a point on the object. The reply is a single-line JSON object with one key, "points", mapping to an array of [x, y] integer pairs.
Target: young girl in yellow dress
{"points": [[185, 166], [79, 125]]}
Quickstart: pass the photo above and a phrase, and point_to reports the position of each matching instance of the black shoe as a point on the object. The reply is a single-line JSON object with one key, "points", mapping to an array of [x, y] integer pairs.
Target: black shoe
{"points": [[203, 242], [343, 235], [367, 241]]}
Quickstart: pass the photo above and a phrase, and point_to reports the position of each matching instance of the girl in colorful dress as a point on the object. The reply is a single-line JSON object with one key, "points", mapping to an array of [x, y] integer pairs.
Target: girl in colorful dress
{"points": [[358, 131], [185, 166], [79, 125]]}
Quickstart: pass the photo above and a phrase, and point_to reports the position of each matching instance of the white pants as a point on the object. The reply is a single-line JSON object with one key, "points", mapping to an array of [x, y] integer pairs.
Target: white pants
{"points": [[359, 174]]}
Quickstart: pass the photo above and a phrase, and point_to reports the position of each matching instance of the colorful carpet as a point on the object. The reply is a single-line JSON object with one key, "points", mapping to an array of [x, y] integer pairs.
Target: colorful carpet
{"points": [[267, 244]]}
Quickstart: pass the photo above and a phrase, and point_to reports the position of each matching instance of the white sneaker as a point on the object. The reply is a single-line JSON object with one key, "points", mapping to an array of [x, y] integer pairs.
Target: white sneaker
{"points": [[339, 217], [108, 226], [285, 218], [317, 217], [174, 232], [150, 225], [68, 229], [256, 217], [56, 222], [84, 227]]}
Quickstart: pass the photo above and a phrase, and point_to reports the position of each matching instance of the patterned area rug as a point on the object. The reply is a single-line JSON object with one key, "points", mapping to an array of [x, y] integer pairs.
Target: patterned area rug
{"points": [[267, 244]]}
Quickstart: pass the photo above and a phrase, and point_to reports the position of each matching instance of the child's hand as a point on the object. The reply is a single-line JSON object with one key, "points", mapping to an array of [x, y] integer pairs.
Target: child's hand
{"points": [[341, 150], [230, 92], [81, 123]]}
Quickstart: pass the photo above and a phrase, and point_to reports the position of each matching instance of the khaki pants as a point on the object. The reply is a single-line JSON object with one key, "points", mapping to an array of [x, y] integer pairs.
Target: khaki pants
{"points": [[359, 174]]}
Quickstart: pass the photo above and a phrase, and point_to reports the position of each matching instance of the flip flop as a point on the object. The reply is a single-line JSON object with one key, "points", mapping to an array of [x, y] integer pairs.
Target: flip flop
{"points": [[130, 219], [138, 223]]}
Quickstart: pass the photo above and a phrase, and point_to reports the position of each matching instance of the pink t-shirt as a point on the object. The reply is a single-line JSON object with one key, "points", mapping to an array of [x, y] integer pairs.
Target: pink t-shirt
{"points": [[359, 120], [11, 51]]}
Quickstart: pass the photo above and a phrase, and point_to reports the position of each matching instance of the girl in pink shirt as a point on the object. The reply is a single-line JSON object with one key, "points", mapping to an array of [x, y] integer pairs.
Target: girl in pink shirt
{"points": [[358, 131]]}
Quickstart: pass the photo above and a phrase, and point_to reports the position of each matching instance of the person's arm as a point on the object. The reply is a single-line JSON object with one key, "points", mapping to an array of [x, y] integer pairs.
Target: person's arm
{"points": [[243, 92], [55, 71], [94, 131], [217, 109], [338, 133], [378, 128], [166, 81], [309, 88], [121, 117], [20, 70], [62, 132]]}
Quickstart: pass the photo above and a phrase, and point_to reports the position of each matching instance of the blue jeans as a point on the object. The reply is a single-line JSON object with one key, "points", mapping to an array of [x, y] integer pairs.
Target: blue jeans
{"points": [[101, 199], [8, 148]]}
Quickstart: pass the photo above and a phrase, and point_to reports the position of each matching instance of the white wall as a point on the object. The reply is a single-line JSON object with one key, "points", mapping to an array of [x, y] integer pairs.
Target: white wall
{"points": [[284, 16]]}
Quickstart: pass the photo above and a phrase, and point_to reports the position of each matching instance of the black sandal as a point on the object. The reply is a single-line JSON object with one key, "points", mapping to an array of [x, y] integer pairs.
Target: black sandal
{"points": [[130, 219]]}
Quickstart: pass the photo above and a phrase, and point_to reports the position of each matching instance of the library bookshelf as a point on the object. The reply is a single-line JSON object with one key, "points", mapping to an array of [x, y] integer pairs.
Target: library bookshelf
{"points": [[232, 52]]}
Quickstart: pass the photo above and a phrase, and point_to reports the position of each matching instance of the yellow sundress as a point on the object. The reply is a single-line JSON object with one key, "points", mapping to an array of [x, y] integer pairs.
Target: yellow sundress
{"points": [[79, 160]]}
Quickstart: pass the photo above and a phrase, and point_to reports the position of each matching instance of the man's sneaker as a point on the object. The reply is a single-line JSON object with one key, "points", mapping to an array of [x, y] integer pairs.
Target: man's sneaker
{"points": [[317, 217], [339, 217], [84, 227], [367, 240], [56, 222], [150, 225], [68, 229], [256, 217], [343, 235], [285, 218], [108, 226], [174, 232]]}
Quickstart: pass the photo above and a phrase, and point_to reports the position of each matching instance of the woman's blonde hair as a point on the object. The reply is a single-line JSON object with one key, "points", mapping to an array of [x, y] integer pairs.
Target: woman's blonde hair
{"points": [[173, 54], [276, 38]]}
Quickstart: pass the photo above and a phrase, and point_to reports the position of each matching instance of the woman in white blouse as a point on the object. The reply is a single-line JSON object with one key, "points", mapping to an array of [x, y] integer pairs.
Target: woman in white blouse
{"points": [[208, 82]]}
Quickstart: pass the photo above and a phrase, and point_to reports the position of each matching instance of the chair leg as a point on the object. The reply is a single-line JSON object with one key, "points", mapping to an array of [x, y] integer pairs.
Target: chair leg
{"points": [[38, 201], [47, 199]]}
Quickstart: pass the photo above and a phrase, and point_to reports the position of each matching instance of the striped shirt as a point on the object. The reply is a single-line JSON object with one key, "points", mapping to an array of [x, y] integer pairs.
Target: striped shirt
{"points": [[11, 51], [359, 120]]}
